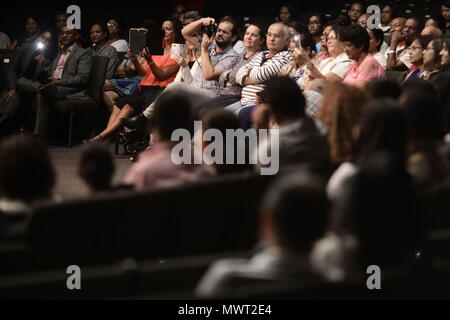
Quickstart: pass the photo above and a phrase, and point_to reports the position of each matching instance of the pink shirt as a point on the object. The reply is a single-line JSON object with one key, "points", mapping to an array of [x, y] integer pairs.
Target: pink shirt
{"points": [[155, 169], [368, 70], [62, 61]]}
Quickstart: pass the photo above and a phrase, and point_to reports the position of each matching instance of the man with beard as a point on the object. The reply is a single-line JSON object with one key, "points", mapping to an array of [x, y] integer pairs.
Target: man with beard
{"points": [[217, 54]]}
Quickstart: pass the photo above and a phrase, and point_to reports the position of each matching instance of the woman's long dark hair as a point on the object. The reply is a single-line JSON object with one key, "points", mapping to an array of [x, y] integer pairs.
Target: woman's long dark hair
{"points": [[177, 26]]}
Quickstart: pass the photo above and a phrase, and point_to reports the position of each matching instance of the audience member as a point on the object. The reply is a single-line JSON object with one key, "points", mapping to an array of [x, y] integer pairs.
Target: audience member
{"points": [[316, 24], [416, 51], [31, 33], [366, 68], [5, 42], [426, 126], [432, 31], [431, 59], [334, 68], [357, 8], [96, 167], [155, 167], [223, 120], [287, 238], [340, 113], [376, 44], [445, 11], [69, 74], [437, 21], [397, 55], [100, 47], [26, 176], [382, 188], [388, 13], [382, 129], [31, 63], [115, 36], [286, 14], [264, 67], [300, 141], [254, 39], [190, 16]]}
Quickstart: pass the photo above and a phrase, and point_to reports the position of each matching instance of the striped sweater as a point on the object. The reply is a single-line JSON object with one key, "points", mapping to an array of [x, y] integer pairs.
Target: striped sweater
{"points": [[260, 70]]}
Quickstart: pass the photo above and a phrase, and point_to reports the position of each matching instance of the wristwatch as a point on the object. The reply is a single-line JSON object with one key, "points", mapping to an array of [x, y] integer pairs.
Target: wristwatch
{"points": [[390, 51]]}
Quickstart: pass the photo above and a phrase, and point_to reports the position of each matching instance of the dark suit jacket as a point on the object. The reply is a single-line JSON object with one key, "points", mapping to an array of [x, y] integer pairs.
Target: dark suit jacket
{"points": [[21, 63], [77, 68]]}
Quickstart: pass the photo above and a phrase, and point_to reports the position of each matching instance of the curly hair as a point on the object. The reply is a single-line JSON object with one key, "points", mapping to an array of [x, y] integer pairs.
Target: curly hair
{"points": [[340, 113]]}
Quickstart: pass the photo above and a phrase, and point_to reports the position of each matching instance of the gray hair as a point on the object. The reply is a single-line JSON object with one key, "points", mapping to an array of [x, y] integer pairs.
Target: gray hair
{"points": [[286, 32]]}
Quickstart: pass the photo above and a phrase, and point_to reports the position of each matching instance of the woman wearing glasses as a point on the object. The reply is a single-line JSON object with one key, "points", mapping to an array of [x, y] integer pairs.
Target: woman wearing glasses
{"points": [[114, 38], [332, 69], [416, 56]]}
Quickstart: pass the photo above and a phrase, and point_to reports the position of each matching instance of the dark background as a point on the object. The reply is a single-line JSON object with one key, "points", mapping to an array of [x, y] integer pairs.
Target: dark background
{"points": [[132, 12]]}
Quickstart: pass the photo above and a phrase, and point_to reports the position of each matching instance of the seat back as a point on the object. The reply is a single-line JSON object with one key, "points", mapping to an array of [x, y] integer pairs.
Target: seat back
{"points": [[397, 76], [213, 216], [98, 76]]}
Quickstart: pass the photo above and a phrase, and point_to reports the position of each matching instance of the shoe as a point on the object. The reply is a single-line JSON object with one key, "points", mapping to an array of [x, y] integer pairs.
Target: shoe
{"points": [[136, 122]]}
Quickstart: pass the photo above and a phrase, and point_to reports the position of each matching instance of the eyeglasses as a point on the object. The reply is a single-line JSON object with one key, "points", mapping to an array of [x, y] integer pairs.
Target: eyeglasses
{"points": [[314, 23]]}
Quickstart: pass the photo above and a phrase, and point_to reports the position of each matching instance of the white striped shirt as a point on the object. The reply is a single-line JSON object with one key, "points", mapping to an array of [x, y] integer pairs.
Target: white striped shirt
{"points": [[260, 70]]}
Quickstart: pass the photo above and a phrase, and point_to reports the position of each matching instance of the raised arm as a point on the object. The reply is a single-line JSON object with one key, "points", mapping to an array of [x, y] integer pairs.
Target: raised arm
{"points": [[190, 32]]}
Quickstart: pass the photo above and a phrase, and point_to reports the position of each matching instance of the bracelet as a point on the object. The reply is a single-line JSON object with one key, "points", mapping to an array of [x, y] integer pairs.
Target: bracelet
{"points": [[390, 51]]}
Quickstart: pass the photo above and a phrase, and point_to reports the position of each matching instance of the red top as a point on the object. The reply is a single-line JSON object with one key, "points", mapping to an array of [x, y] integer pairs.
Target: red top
{"points": [[161, 62]]}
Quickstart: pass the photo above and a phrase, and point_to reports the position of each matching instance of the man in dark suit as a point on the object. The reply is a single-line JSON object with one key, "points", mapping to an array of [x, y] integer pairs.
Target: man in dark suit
{"points": [[32, 63], [69, 74]]}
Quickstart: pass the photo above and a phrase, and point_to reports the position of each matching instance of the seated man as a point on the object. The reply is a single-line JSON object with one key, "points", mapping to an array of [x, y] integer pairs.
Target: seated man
{"points": [[69, 73], [397, 56], [293, 217], [264, 67], [32, 63]]}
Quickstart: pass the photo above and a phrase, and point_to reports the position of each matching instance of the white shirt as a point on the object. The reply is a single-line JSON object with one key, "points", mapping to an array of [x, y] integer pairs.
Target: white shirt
{"points": [[120, 45], [339, 65]]}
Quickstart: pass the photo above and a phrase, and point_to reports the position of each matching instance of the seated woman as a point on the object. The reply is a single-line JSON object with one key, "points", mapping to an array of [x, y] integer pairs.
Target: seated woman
{"points": [[366, 68], [114, 37], [295, 69], [416, 50], [125, 82], [158, 72], [331, 69], [383, 128], [376, 43], [431, 59], [445, 56], [100, 47]]}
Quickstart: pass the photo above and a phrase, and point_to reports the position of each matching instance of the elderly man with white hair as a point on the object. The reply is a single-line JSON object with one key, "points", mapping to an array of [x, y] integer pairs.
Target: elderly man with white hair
{"points": [[264, 67]]}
